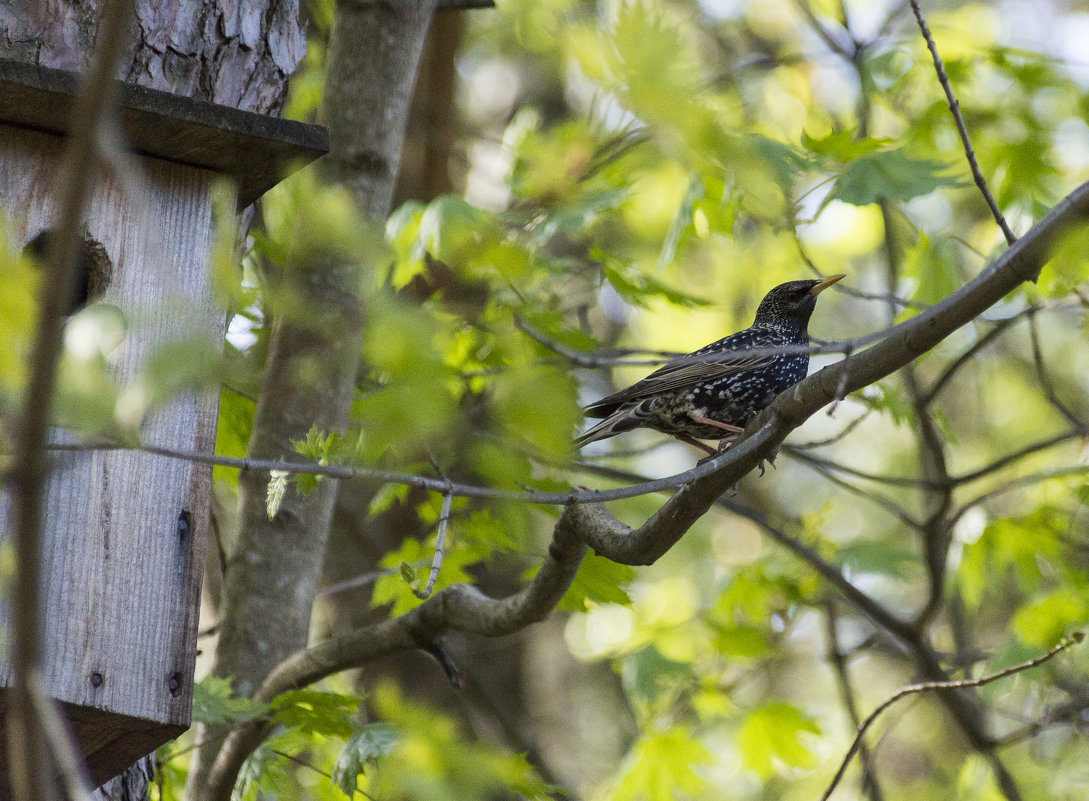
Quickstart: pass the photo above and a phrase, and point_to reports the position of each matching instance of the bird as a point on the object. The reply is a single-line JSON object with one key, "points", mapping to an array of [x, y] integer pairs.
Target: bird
{"points": [[715, 391]]}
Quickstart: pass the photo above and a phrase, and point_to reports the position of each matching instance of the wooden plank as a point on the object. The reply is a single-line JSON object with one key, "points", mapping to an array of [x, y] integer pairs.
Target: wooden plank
{"points": [[256, 150], [121, 575]]}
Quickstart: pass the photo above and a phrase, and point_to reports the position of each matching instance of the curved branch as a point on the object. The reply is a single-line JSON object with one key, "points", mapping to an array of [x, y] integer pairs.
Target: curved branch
{"points": [[464, 608], [912, 689], [903, 344], [458, 607]]}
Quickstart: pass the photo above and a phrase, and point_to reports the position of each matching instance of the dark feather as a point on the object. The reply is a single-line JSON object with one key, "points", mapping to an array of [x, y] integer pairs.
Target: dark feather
{"points": [[721, 386]]}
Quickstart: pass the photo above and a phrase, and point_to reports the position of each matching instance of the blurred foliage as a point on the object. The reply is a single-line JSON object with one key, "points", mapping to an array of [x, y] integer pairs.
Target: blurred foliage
{"points": [[634, 176]]}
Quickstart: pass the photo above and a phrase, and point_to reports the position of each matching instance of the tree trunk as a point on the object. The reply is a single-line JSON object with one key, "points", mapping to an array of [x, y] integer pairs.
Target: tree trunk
{"points": [[272, 575], [230, 53]]}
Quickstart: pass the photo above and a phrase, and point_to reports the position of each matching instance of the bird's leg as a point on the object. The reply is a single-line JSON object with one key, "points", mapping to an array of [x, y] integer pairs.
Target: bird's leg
{"points": [[692, 441], [707, 421]]}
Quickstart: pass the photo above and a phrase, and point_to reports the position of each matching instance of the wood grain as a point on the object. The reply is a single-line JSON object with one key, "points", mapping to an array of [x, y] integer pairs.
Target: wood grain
{"points": [[122, 577]]}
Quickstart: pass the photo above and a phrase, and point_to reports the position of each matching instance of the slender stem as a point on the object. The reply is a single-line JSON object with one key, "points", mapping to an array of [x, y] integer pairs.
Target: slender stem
{"points": [[928, 686], [843, 678], [31, 763], [962, 129], [440, 547]]}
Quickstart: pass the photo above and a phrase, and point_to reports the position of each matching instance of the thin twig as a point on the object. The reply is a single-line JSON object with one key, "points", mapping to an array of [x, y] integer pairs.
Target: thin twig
{"points": [[964, 358], [582, 359], [912, 689], [828, 464], [843, 679], [69, 761], [962, 129], [356, 581], [888, 505], [1010, 458], [838, 436], [424, 482], [1046, 381], [826, 35], [31, 768], [1019, 483], [440, 547]]}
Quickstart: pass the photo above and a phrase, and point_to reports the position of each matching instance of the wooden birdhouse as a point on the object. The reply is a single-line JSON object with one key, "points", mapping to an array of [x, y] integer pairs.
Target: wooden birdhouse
{"points": [[125, 531]]}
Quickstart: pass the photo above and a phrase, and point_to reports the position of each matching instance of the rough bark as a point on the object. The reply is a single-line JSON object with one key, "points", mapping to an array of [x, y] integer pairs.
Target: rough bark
{"points": [[232, 53], [272, 575], [374, 52]]}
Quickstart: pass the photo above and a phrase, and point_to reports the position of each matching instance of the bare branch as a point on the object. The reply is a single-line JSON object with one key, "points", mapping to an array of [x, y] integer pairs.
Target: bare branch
{"points": [[457, 607], [31, 765], [941, 685], [440, 547], [1046, 382], [839, 663], [581, 359], [831, 466], [1010, 458], [962, 129], [964, 358]]}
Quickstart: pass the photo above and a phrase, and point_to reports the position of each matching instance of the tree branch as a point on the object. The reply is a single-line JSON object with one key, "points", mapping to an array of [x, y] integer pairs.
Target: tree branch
{"points": [[940, 685], [29, 756], [464, 608], [457, 607], [962, 129]]}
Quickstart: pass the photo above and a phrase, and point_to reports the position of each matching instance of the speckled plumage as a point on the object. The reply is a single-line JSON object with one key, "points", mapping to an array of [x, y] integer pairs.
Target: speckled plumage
{"points": [[716, 390]]}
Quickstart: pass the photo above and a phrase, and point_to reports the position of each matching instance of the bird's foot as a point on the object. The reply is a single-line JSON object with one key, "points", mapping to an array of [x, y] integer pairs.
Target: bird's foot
{"points": [[723, 445], [770, 460]]}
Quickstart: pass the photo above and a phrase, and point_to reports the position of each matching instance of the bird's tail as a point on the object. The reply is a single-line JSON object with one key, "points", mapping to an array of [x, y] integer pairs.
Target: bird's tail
{"points": [[616, 423]]}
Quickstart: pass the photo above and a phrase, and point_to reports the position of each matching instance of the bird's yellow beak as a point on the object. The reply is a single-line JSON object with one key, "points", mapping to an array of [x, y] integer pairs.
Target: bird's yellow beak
{"points": [[827, 282]]}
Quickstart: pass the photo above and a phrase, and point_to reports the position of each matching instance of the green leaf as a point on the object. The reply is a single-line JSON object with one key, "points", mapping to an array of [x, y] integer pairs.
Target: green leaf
{"points": [[648, 672], [888, 175], [538, 405], [1044, 622], [453, 230], [884, 397], [1014, 548], [214, 702], [432, 759], [233, 432], [638, 288], [875, 556], [843, 146], [598, 581], [366, 744], [317, 712], [262, 769], [397, 587], [1069, 266], [742, 642], [773, 734], [681, 220], [934, 267], [661, 767]]}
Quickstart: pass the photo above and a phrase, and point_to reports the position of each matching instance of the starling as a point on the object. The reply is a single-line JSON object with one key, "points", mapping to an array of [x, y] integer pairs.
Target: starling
{"points": [[715, 391]]}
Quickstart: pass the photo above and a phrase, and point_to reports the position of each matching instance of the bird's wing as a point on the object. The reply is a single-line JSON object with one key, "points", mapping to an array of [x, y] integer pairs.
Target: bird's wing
{"points": [[745, 350]]}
